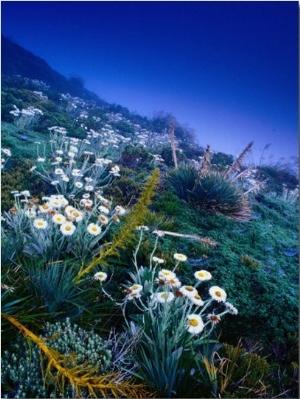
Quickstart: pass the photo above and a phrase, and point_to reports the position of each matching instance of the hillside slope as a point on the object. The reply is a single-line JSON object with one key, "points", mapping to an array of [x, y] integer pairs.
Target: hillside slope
{"points": [[97, 156]]}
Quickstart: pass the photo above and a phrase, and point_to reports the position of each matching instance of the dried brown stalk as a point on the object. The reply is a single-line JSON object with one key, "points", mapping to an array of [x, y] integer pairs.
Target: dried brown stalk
{"points": [[172, 136], [236, 164]]}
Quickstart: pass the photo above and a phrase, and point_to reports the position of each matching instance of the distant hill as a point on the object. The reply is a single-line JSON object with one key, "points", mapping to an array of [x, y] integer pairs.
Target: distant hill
{"points": [[15, 60]]}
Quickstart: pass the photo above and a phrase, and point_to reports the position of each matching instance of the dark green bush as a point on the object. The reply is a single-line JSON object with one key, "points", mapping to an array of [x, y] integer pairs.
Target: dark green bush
{"points": [[212, 191]]}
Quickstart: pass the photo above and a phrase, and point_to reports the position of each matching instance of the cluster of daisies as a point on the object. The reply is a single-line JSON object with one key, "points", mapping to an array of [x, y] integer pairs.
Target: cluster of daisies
{"points": [[73, 168], [29, 112], [56, 210], [168, 287]]}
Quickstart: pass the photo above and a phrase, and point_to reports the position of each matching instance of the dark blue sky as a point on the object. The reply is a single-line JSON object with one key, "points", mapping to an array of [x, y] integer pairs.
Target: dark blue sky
{"points": [[229, 70]]}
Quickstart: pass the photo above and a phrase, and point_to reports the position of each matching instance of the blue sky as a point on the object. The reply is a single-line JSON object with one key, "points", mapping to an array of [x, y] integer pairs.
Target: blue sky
{"points": [[229, 70]]}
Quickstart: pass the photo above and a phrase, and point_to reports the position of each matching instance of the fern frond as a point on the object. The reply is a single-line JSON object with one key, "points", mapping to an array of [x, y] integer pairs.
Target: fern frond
{"points": [[81, 377], [126, 233]]}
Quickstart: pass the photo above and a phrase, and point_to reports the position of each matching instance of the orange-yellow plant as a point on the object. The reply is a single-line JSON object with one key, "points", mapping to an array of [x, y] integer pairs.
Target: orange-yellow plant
{"points": [[126, 233], [81, 377]]}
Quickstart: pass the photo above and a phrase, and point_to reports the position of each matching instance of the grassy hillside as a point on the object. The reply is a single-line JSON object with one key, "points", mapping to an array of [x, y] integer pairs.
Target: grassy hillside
{"points": [[136, 214]]}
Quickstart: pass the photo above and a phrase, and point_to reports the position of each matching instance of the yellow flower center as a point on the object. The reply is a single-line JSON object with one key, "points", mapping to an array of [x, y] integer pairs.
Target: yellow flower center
{"points": [[163, 295], [197, 296], [94, 228], [134, 287], [189, 288], [218, 293], [193, 322], [68, 228], [41, 223]]}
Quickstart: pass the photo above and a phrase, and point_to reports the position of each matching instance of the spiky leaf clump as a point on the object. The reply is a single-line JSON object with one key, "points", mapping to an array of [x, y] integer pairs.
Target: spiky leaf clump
{"points": [[212, 191], [181, 181]]}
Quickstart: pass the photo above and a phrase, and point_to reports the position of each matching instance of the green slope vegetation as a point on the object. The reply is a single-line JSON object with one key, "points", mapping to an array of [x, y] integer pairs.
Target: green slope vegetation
{"points": [[237, 222]]}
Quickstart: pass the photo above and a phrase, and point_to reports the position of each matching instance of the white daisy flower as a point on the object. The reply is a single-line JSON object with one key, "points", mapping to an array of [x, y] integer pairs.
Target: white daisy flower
{"points": [[231, 309], [103, 209], [59, 171], [202, 275], [45, 207], [157, 260], [213, 318], [103, 219], [188, 290], [31, 213], [145, 228], [133, 295], [165, 274], [120, 210], [115, 218], [180, 257], [58, 218], [67, 228], [195, 324], [69, 209], [218, 294], [64, 201], [56, 202], [94, 229], [135, 288], [86, 202], [196, 299], [26, 193], [78, 184], [101, 276], [163, 297], [89, 188], [76, 172], [40, 224], [77, 215], [115, 169], [6, 151]]}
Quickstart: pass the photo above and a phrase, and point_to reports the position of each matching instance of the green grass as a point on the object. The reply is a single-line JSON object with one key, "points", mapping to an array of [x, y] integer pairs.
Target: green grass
{"points": [[21, 143]]}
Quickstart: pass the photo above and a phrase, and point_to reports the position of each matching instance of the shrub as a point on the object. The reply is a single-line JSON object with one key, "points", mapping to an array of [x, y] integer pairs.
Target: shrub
{"points": [[168, 203], [211, 191], [279, 176], [135, 157]]}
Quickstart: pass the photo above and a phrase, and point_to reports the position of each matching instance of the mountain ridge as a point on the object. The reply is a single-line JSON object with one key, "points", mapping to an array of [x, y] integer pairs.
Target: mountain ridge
{"points": [[16, 60]]}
